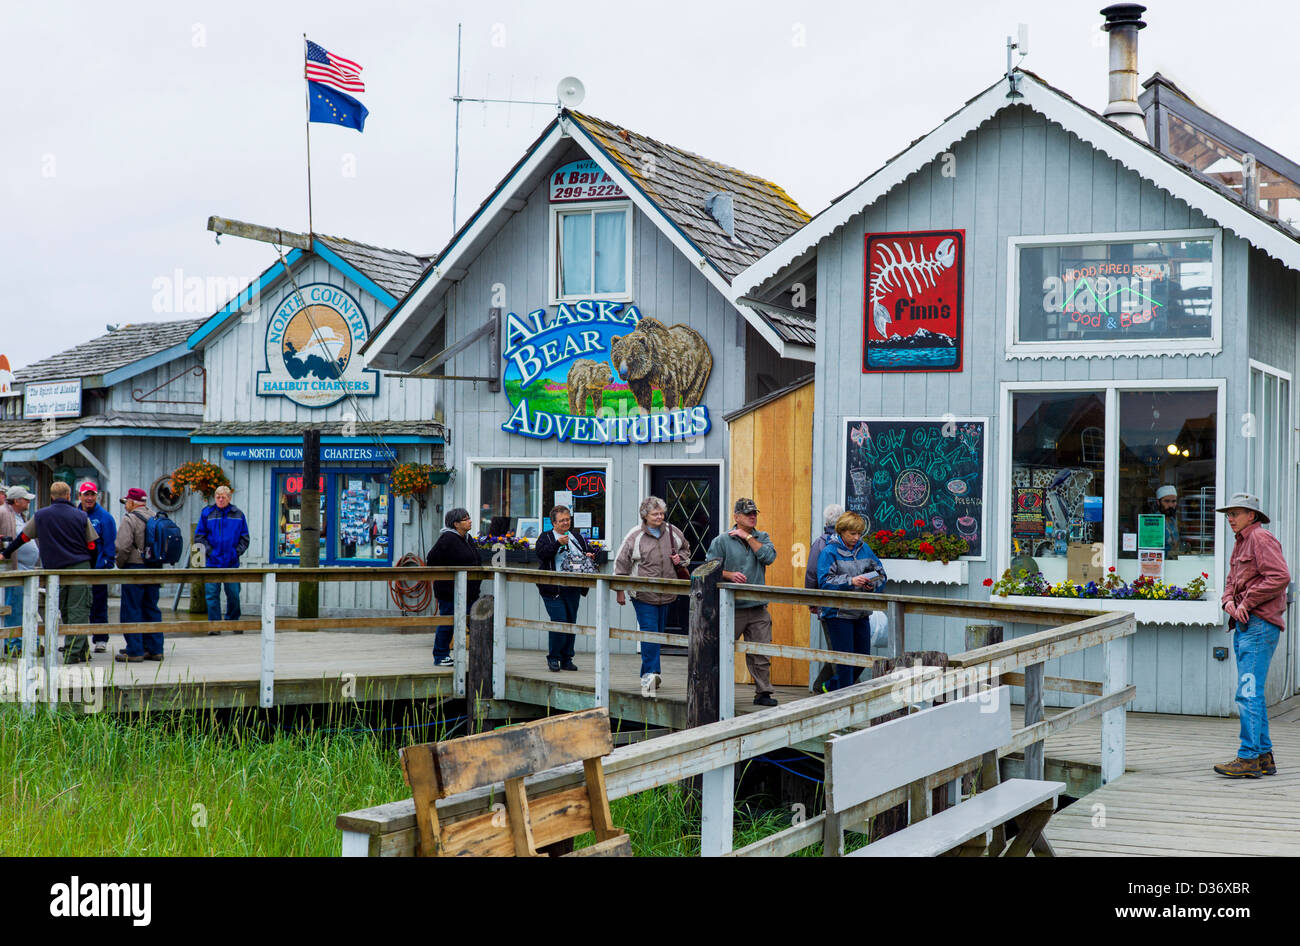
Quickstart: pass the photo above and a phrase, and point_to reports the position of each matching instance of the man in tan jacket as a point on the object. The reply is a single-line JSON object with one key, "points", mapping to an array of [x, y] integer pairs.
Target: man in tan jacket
{"points": [[139, 602]]}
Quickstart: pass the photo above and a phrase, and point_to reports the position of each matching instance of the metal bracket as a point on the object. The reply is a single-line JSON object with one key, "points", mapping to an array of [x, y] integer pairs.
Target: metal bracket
{"points": [[492, 329], [198, 371]]}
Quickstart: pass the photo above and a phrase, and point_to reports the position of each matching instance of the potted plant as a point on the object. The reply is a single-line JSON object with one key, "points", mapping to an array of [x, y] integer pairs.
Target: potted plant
{"points": [[202, 477], [923, 556], [1151, 600], [413, 480], [518, 550]]}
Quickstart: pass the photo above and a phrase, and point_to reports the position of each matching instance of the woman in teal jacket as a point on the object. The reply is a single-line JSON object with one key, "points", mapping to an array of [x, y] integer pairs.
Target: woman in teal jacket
{"points": [[846, 563]]}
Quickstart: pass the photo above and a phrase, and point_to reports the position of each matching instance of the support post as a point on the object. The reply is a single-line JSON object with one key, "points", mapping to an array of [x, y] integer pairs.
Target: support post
{"points": [[27, 664], [894, 611], [51, 662], [716, 806], [1114, 722], [1034, 714], [702, 665], [602, 642], [478, 670], [459, 632], [726, 653], [499, 634], [266, 689], [309, 545]]}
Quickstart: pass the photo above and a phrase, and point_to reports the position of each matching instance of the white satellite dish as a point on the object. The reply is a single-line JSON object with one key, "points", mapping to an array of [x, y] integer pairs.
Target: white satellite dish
{"points": [[570, 91]]}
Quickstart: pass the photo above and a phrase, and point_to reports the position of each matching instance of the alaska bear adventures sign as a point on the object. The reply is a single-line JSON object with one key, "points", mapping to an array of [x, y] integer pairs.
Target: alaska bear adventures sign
{"points": [[309, 350], [912, 319], [600, 372]]}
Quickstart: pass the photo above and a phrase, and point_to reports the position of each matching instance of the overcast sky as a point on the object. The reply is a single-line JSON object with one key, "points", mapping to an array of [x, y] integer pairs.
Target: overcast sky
{"points": [[129, 124]]}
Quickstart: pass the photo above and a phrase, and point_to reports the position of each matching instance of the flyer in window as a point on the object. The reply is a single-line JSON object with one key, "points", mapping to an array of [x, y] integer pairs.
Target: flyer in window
{"points": [[1151, 532], [1152, 563]]}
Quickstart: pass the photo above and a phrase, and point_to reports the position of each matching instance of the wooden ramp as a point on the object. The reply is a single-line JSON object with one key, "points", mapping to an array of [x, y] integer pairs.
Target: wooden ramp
{"points": [[1169, 802]]}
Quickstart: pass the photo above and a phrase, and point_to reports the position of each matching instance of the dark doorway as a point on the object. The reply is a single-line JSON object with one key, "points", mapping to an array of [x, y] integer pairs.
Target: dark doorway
{"points": [[691, 493]]}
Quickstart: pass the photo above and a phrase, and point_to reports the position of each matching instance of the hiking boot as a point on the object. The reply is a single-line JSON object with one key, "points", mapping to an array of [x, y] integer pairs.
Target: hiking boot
{"points": [[765, 699], [153, 656], [125, 658], [1266, 765], [1239, 768]]}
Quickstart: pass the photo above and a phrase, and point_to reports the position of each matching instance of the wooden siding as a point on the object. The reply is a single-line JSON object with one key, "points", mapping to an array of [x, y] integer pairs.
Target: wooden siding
{"points": [[1018, 174], [771, 462], [185, 386]]}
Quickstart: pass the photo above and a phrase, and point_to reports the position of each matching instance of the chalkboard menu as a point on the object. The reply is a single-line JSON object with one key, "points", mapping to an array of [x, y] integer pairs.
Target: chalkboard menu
{"points": [[899, 471]]}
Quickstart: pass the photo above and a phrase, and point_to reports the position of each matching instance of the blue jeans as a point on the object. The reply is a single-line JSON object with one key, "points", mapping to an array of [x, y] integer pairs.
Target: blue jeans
{"points": [[650, 617], [442, 635], [1253, 647], [848, 637], [212, 590], [99, 610], [14, 598], [563, 609], [140, 606]]}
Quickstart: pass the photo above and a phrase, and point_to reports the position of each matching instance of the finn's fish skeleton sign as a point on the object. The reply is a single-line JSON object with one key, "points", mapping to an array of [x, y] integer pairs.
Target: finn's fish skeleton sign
{"points": [[896, 269], [912, 305]]}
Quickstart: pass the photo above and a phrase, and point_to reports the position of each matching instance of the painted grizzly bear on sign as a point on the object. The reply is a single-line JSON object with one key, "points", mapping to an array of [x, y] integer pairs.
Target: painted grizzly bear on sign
{"points": [[587, 377], [675, 360]]}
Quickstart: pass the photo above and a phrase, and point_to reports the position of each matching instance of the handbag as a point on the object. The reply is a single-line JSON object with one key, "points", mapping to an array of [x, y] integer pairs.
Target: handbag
{"points": [[681, 570]]}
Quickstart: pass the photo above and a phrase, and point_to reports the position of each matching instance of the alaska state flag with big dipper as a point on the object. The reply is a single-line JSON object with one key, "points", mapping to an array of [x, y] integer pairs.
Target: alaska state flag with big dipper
{"points": [[329, 79]]}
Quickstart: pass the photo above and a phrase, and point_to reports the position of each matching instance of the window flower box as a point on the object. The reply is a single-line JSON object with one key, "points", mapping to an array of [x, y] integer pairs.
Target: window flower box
{"points": [[916, 571], [1145, 610]]}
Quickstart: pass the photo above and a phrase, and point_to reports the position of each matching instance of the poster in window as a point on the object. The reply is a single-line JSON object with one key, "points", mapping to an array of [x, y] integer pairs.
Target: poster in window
{"points": [[1028, 512], [900, 472], [913, 301]]}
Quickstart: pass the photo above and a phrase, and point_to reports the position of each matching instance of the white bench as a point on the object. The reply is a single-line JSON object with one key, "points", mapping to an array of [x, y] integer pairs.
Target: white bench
{"points": [[904, 752]]}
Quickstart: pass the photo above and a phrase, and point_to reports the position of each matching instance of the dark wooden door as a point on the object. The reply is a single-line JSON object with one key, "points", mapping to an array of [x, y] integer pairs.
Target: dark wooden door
{"points": [[692, 495]]}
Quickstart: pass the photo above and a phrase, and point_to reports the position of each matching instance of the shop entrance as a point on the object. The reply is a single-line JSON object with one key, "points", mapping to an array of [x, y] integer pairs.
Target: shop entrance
{"points": [[691, 493]]}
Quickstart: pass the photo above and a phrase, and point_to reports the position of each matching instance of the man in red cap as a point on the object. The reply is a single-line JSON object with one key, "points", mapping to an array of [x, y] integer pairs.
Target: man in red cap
{"points": [[107, 529], [139, 602]]}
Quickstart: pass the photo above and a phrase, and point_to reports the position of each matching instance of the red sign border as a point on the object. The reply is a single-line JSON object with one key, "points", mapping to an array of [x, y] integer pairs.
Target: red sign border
{"points": [[960, 237]]}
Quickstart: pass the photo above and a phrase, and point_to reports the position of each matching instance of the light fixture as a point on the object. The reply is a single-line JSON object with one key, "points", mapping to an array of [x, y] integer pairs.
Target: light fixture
{"points": [[1173, 449], [1185, 453]]}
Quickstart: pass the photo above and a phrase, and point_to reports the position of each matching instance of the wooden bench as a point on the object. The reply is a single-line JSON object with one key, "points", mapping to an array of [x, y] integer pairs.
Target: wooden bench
{"points": [[522, 825], [902, 753]]}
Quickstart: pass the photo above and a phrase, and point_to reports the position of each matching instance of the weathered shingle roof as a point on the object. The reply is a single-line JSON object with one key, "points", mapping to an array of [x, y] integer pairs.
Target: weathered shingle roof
{"points": [[679, 181], [334, 428], [126, 345], [394, 270]]}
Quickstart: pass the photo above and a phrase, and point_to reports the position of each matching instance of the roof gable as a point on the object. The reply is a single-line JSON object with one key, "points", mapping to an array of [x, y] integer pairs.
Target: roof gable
{"points": [[1209, 197]]}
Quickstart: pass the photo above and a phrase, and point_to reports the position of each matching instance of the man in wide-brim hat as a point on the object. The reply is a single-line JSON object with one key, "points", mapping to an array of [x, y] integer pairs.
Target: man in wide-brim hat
{"points": [[1254, 596]]}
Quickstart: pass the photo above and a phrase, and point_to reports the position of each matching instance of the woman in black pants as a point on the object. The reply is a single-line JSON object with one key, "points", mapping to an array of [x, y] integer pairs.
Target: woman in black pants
{"points": [[452, 548], [554, 551]]}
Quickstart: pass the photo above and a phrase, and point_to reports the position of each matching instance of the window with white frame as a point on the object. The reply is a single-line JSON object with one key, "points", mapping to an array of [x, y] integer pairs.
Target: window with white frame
{"points": [[591, 251], [517, 498], [1157, 292], [1133, 473]]}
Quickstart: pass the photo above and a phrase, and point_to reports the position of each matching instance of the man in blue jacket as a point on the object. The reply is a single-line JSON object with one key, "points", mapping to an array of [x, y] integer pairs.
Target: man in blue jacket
{"points": [[107, 529], [223, 532]]}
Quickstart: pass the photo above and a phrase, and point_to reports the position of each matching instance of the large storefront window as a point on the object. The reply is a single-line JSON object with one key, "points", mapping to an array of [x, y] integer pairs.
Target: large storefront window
{"points": [[518, 499], [1157, 520], [356, 517], [1116, 292], [1058, 465]]}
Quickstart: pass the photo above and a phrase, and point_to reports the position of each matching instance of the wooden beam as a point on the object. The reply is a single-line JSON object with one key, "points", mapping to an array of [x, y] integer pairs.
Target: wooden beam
{"points": [[253, 231]]}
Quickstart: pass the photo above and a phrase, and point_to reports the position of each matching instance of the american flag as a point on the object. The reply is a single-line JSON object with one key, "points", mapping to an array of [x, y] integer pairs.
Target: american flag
{"points": [[342, 74]]}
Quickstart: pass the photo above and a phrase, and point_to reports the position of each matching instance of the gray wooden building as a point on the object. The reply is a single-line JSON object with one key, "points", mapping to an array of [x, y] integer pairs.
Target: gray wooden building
{"points": [[589, 297], [283, 356], [116, 410], [1125, 321]]}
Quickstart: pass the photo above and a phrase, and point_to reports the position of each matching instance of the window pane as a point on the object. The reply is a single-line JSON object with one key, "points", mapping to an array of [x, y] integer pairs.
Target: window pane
{"points": [[587, 487], [1167, 438], [1058, 462], [575, 254], [1116, 291], [362, 502], [611, 252], [288, 533], [506, 495]]}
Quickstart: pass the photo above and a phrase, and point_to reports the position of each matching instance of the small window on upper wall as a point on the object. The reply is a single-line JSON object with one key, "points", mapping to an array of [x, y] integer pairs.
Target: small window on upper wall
{"points": [[1123, 294], [592, 256]]}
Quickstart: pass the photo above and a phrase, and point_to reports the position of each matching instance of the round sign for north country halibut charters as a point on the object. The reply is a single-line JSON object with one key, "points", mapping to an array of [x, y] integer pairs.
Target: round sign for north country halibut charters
{"points": [[311, 340]]}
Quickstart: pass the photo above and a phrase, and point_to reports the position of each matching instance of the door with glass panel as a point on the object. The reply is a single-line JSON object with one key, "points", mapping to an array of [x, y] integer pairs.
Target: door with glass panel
{"points": [[691, 494]]}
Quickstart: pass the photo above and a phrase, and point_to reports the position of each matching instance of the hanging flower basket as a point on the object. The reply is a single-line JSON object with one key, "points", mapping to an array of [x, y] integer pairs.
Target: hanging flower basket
{"points": [[200, 476], [439, 477], [412, 480]]}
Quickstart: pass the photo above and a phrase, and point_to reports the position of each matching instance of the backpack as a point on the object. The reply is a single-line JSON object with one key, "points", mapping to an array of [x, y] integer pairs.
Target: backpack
{"points": [[162, 542]]}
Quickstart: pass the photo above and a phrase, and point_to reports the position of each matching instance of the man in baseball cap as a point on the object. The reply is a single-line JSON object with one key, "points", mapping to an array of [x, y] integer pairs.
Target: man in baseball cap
{"points": [[139, 601], [1254, 596], [745, 553], [88, 492]]}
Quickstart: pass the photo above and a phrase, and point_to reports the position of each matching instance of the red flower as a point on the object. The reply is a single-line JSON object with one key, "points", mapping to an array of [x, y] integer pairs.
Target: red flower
{"points": [[918, 522], [1205, 574], [927, 548], [1112, 568], [899, 532], [988, 582]]}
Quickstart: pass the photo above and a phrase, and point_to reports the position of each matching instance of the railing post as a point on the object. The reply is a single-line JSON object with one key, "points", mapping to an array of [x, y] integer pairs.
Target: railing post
{"points": [[1034, 714], [716, 806], [459, 633], [602, 642], [894, 611], [499, 635], [51, 664], [266, 691], [1114, 722], [701, 668], [27, 665], [726, 653]]}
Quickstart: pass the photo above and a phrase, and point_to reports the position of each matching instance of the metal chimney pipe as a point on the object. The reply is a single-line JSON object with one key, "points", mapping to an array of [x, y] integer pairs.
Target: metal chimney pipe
{"points": [[1123, 20]]}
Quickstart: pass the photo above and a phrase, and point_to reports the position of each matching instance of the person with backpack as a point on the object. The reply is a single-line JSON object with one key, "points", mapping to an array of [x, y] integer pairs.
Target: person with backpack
{"points": [[223, 532], [137, 548], [654, 549]]}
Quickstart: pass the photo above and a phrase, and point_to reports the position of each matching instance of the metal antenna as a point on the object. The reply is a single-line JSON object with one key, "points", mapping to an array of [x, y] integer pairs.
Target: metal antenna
{"points": [[1021, 45]]}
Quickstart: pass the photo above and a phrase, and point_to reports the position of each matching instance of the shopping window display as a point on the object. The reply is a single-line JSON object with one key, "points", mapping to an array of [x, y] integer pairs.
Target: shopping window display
{"points": [[356, 517]]}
